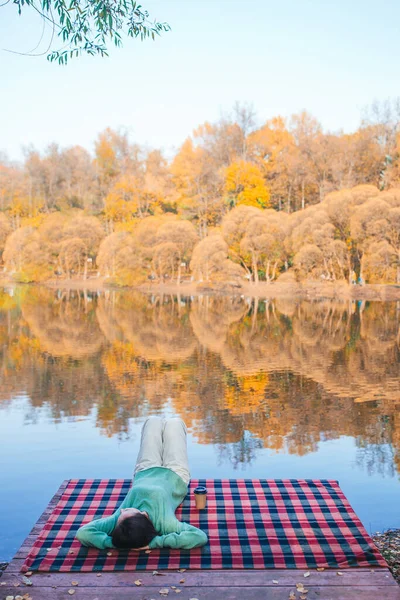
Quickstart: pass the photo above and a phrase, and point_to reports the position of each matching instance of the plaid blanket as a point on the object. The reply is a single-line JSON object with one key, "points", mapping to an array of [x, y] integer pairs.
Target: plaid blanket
{"points": [[251, 524]]}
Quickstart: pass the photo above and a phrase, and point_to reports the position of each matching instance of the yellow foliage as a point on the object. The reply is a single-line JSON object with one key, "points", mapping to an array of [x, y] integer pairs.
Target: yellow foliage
{"points": [[106, 160], [34, 221], [245, 184], [247, 396], [7, 302]]}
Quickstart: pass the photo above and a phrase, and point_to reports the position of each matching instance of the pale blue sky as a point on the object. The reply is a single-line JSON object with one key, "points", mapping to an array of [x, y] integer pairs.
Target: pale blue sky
{"points": [[331, 58]]}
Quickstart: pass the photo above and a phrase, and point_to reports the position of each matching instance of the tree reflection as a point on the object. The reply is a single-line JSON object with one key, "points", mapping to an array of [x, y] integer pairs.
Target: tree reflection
{"points": [[244, 374]]}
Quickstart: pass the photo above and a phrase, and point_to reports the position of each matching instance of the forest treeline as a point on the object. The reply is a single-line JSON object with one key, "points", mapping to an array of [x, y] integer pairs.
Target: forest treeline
{"points": [[292, 373], [236, 202]]}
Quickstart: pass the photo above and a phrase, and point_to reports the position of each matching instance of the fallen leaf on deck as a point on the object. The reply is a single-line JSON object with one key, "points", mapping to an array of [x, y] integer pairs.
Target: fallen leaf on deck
{"points": [[26, 581], [292, 596], [275, 581], [98, 575], [17, 584], [71, 592], [320, 568], [164, 591], [181, 581], [303, 597], [339, 573], [182, 571], [193, 599], [18, 597], [74, 582], [27, 597], [29, 573], [173, 587], [9, 597], [138, 582], [177, 591], [3, 583], [307, 574]]}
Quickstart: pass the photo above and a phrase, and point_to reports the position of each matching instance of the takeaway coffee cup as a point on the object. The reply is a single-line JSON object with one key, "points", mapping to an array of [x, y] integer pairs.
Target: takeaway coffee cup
{"points": [[200, 495]]}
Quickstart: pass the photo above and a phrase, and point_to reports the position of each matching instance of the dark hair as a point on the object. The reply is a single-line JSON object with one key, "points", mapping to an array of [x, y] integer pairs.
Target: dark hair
{"points": [[133, 532]]}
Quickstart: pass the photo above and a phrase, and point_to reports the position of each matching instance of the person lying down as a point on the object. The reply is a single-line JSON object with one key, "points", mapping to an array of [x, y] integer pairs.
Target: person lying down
{"points": [[146, 518]]}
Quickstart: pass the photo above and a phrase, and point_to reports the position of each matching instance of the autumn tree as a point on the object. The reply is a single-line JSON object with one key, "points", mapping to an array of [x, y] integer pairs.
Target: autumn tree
{"points": [[198, 186], [121, 259], [264, 241], [234, 226], [210, 261], [274, 149], [71, 242], [309, 261], [366, 227], [5, 230], [25, 256], [176, 240], [244, 184], [121, 202], [316, 150], [381, 229]]}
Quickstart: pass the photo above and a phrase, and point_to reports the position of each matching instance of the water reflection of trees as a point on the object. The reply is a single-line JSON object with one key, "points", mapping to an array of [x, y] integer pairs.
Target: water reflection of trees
{"points": [[242, 373]]}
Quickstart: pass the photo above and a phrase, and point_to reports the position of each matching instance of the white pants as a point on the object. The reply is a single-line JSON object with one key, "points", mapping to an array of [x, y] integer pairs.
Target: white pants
{"points": [[164, 444]]}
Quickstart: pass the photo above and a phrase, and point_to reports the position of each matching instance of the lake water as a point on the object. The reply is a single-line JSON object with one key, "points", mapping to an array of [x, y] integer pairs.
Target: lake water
{"points": [[279, 389]]}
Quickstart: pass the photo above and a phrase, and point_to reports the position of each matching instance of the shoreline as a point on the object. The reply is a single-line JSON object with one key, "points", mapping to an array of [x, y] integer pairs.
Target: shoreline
{"points": [[306, 290]]}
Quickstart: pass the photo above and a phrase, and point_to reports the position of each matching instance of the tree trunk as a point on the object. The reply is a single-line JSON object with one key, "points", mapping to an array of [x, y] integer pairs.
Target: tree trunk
{"points": [[398, 269], [274, 270], [255, 270], [267, 272], [179, 274], [361, 276], [326, 268], [302, 195]]}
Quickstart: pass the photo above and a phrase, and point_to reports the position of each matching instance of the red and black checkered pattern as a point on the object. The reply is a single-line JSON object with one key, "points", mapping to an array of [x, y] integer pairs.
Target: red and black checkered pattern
{"points": [[259, 523]]}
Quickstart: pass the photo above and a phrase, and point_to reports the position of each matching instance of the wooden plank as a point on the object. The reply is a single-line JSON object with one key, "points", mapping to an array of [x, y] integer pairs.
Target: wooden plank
{"points": [[210, 593], [242, 578]]}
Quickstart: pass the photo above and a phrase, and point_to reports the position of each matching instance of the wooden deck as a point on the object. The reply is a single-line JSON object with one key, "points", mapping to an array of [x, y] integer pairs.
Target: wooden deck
{"points": [[257, 584]]}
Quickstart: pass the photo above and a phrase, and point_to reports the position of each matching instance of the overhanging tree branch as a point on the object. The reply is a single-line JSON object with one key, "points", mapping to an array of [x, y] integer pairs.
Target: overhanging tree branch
{"points": [[89, 26]]}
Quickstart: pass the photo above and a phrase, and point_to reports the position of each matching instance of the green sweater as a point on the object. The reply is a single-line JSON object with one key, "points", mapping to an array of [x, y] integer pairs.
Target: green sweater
{"points": [[158, 491]]}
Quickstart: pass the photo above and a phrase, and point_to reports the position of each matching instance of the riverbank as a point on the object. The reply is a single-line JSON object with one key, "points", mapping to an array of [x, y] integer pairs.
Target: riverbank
{"points": [[388, 544], [308, 290]]}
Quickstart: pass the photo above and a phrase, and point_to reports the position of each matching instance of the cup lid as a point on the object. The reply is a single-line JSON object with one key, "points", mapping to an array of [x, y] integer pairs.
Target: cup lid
{"points": [[200, 490]]}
